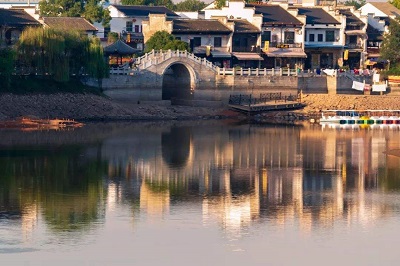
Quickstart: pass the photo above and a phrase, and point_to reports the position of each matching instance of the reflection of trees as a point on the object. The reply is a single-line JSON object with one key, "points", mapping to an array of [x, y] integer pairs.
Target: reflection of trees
{"points": [[67, 188]]}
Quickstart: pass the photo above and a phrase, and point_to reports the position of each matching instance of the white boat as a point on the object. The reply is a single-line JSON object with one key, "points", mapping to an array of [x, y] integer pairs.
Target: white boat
{"points": [[385, 118]]}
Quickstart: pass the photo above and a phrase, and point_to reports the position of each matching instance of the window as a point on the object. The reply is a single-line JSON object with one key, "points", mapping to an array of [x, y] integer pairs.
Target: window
{"points": [[265, 36], [289, 37], [217, 41], [320, 37], [137, 28], [311, 38], [129, 26], [196, 41], [330, 36]]}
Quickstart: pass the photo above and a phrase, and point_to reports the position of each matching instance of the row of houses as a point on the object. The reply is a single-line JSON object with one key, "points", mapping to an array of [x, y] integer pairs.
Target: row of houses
{"points": [[312, 35]]}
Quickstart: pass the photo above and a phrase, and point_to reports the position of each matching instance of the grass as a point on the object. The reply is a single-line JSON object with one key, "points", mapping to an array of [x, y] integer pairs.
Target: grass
{"points": [[26, 84]]}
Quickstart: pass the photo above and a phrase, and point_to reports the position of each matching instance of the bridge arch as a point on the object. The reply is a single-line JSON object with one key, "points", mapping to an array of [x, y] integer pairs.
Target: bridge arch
{"points": [[178, 81]]}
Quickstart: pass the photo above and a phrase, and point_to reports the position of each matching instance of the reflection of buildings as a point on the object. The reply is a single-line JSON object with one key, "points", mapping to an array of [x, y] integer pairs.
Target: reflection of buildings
{"points": [[248, 173]]}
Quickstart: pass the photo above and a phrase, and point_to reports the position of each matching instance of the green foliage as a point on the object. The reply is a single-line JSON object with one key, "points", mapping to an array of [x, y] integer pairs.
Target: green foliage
{"points": [[390, 49], [356, 3], [112, 37], [162, 40], [396, 3], [167, 3], [190, 5], [7, 63], [92, 10], [60, 54], [219, 3]]}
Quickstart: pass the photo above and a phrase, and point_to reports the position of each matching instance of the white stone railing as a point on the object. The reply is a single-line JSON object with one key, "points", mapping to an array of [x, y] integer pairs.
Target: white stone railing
{"points": [[256, 72], [123, 71], [158, 57]]}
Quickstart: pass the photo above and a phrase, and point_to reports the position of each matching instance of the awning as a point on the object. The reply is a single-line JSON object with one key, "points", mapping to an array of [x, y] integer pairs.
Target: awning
{"points": [[278, 52], [220, 54], [355, 32], [247, 56]]}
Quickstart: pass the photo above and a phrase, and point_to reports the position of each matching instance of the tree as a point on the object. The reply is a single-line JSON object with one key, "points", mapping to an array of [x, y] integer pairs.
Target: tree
{"points": [[92, 10], [356, 3], [390, 49], [190, 5], [59, 54], [162, 40], [7, 62], [167, 3], [219, 3], [396, 3]]}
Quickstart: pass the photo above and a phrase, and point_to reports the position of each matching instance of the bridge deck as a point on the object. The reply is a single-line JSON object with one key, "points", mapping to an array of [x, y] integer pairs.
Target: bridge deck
{"points": [[272, 106], [266, 102]]}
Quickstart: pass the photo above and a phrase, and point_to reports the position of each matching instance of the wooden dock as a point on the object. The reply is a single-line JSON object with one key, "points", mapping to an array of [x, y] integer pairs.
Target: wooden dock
{"points": [[266, 102]]}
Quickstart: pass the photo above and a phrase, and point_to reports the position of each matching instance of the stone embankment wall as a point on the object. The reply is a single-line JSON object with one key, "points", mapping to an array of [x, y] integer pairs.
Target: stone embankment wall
{"points": [[148, 87]]}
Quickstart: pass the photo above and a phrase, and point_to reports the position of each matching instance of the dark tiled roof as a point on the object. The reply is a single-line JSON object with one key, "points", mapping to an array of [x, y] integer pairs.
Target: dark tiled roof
{"points": [[317, 16], [69, 23], [16, 18], [243, 26], [208, 26], [351, 19], [120, 48], [276, 15], [144, 11]]}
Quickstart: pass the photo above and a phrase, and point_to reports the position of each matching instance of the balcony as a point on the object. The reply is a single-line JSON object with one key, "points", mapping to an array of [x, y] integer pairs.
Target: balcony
{"points": [[250, 49], [284, 45], [354, 46]]}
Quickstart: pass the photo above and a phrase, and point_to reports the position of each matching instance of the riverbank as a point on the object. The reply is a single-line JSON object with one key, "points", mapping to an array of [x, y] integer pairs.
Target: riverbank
{"points": [[98, 108]]}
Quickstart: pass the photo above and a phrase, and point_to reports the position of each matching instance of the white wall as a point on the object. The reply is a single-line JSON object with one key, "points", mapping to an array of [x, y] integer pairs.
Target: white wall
{"points": [[234, 9], [205, 39], [370, 9]]}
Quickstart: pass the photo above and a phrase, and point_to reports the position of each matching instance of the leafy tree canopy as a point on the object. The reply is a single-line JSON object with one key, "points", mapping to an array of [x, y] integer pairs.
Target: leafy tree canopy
{"points": [[167, 3], [190, 5], [162, 40], [356, 3], [390, 49], [92, 10], [396, 3], [59, 54]]}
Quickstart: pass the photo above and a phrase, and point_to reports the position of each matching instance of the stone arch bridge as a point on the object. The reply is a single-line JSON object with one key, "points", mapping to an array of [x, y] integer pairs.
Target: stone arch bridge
{"points": [[173, 74]]}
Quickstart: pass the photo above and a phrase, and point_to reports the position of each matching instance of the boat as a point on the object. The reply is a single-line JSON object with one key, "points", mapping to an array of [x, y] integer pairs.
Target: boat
{"points": [[361, 118], [29, 124]]}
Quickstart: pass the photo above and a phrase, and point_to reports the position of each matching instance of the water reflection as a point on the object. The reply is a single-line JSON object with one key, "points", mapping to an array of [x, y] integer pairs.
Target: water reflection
{"points": [[232, 175]]}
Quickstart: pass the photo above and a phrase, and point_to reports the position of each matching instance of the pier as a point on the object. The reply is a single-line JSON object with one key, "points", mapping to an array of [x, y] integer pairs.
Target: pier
{"points": [[265, 102]]}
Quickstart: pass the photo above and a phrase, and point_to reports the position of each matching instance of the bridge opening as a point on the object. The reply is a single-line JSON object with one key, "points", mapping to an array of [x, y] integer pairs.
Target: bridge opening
{"points": [[177, 83]]}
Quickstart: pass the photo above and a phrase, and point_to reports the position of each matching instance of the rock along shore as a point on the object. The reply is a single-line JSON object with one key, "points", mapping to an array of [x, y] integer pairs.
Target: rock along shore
{"points": [[94, 107]]}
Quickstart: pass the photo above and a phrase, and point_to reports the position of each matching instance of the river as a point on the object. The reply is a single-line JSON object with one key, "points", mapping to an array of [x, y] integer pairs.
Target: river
{"points": [[200, 193]]}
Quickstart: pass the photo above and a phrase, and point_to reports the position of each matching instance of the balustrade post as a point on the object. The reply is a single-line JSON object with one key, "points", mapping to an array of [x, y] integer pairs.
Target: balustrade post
{"points": [[241, 71], [273, 71], [265, 71], [223, 71], [288, 71], [234, 71], [280, 72], [257, 71], [249, 73]]}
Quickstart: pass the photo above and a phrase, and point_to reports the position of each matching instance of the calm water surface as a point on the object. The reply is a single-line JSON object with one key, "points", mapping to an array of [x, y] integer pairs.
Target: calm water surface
{"points": [[204, 193]]}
